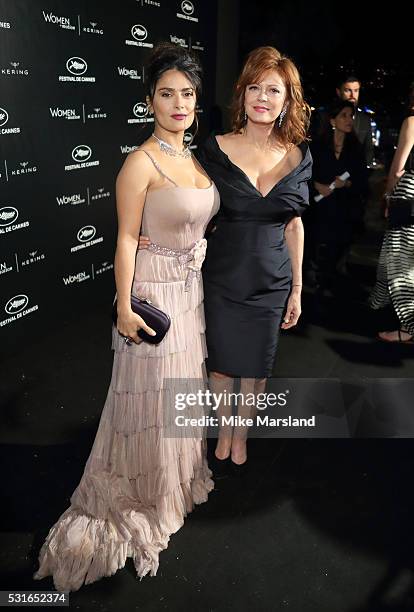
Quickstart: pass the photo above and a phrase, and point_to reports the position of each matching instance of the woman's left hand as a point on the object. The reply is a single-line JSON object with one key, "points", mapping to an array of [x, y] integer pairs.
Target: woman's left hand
{"points": [[293, 310]]}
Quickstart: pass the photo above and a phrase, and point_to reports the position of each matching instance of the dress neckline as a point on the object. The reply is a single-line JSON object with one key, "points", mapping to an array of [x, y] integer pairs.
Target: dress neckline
{"points": [[182, 188], [302, 145]]}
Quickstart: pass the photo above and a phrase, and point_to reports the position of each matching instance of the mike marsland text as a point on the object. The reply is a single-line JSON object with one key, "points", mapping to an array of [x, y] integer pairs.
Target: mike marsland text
{"points": [[238, 421]]}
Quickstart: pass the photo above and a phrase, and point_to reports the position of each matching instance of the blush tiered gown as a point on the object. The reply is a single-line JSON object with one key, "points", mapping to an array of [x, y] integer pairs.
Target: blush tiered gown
{"points": [[139, 484]]}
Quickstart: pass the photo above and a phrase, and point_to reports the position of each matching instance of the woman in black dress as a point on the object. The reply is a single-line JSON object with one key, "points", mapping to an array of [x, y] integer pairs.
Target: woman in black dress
{"points": [[253, 269], [252, 272], [335, 217]]}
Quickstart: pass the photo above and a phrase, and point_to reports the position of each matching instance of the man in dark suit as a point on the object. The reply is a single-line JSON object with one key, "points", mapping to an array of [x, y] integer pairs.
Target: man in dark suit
{"points": [[348, 88]]}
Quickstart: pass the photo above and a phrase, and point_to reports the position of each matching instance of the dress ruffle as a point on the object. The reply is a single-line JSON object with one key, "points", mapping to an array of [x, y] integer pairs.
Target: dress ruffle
{"points": [[138, 484]]}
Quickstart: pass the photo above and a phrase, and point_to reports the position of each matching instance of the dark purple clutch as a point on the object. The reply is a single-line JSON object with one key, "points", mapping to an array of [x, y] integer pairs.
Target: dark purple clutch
{"points": [[155, 318]]}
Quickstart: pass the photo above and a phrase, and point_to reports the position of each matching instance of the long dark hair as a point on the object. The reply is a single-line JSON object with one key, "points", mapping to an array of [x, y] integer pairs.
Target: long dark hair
{"points": [[326, 133]]}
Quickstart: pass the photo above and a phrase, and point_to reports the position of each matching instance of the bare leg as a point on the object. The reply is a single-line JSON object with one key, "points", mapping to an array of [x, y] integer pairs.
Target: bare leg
{"points": [[220, 383], [249, 388]]}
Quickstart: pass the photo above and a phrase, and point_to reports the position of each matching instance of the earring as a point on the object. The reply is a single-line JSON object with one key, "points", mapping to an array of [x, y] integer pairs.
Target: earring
{"points": [[245, 116], [282, 115]]}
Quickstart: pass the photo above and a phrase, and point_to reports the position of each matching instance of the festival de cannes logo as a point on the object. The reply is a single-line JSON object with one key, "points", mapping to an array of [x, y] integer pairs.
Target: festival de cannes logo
{"points": [[81, 153], [140, 35], [140, 110], [86, 233], [16, 304], [4, 117], [76, 66], [187, 13], [8, 215], [87, 238], [187, 7], [139, 32]]}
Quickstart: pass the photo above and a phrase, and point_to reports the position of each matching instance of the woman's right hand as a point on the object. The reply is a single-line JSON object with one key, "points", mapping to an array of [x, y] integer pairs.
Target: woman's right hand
{"points": [[143, 242], [129, 323], [323, 190]]}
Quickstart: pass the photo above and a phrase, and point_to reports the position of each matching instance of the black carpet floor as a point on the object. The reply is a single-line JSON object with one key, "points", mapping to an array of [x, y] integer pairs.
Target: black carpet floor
{"points": [[314, 525]]}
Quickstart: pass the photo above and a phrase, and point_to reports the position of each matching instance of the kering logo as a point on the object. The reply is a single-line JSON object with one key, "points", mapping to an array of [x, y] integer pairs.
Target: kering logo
{"points": [[81, 153], [105, 267], [93, 29], [31, 258], [8, 215], [139, 32], [97, 114], [14, 70], [100, 194], [86, 233], [197, 46], [22, 168], [76, 66], [187, 7], [150, 3], [16, 304], [65, 113]]}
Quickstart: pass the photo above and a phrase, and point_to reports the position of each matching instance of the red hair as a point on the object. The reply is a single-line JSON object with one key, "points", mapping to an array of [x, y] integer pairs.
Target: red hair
{"points": [[296, 120]]}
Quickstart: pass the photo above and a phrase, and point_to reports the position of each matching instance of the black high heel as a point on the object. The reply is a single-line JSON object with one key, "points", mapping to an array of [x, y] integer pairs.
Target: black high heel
{"points": [[220, 467], [239, 469]]}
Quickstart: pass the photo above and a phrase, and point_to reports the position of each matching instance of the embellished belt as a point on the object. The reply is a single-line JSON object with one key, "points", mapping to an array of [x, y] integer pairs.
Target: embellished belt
{"points": [[191, 258]]}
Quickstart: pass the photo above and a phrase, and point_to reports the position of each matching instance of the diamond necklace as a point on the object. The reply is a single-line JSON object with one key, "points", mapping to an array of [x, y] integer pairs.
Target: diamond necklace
{"points": [[170, 150]]}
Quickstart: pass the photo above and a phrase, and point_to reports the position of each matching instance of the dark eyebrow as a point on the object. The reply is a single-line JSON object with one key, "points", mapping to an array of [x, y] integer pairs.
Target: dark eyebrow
{"points": [[172, 89]]}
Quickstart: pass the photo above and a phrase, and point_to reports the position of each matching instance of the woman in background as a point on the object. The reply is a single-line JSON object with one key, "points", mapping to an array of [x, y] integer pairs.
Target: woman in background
{"points": [[395, 273], [336, 150]]}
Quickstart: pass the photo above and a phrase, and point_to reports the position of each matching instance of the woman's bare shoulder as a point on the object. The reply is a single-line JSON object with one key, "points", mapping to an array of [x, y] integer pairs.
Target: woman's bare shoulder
{"points": [[229, 141], [294, 155], [137, 168]]}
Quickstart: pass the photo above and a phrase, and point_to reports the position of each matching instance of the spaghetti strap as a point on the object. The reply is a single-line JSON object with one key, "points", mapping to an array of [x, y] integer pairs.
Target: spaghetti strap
{"points": [[158, 167]]}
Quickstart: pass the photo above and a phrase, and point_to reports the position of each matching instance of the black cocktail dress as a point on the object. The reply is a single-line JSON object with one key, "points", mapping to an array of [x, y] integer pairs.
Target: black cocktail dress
{"points": [[247, 272]]}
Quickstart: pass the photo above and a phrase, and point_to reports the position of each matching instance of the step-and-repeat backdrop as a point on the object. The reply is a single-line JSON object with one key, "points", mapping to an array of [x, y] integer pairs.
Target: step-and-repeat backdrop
{"points": [[72, 105]]}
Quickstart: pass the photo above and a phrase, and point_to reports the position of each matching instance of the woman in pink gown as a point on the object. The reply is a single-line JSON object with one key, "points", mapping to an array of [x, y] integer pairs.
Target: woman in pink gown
{"points": [[138, 483]]}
